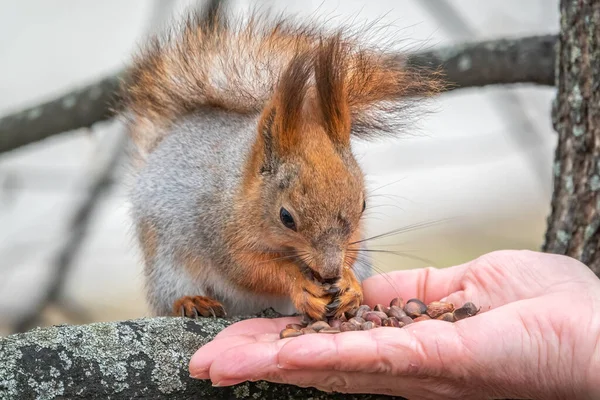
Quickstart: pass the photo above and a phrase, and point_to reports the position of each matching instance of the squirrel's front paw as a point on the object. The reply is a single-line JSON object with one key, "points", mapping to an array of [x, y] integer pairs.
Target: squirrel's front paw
{"points": [[311, 299], [349, 295], [194, 306]]}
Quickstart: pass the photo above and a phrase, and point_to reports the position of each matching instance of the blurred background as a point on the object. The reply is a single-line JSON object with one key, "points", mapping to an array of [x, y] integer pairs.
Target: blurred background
{"points": [[479, 165]]}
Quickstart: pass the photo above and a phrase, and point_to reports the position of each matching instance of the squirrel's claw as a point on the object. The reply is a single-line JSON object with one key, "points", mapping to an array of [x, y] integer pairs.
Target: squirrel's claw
{"points": [[349, 295], [196, 306]]}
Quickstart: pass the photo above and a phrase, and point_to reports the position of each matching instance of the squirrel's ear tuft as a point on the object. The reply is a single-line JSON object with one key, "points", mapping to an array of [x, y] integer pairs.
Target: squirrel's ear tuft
{"points": [[331, 63], [281, 122]]}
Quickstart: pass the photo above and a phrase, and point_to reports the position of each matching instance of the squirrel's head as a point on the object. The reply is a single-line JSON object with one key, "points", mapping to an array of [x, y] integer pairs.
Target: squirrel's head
{"points": [[305, 188], [310, 189]]}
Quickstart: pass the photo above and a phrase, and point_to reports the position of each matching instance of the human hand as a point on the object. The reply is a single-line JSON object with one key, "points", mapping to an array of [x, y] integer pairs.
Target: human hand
{"points": [[536, 336]]}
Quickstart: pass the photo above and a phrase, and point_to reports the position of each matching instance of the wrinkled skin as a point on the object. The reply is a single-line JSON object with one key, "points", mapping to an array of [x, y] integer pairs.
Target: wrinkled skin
{"points": [[537, 336]]}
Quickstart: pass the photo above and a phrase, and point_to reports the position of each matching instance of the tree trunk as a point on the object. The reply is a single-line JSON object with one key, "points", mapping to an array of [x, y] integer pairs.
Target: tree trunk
{"points": [[574, 222]]}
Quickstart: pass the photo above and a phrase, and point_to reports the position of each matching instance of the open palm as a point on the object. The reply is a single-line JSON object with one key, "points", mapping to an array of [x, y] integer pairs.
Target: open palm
{"points": [[537, 336]]}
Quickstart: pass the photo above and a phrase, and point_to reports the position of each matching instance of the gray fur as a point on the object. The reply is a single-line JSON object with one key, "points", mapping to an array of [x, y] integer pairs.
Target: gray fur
{"points": [[186, 189]]}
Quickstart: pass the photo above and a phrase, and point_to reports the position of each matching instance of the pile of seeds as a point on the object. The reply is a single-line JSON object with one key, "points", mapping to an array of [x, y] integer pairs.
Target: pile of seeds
{"points": [[397, 315]]}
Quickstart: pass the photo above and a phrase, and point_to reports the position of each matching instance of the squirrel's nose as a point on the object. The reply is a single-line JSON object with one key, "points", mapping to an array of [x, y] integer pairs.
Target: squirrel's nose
{"points": [[330, 265]]}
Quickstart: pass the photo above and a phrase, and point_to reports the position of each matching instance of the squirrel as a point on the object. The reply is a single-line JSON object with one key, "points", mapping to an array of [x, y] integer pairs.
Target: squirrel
{"points": [[246, 193]]}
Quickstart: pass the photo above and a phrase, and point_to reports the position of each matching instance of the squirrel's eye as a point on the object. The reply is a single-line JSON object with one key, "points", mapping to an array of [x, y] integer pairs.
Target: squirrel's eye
{"points": [[287, 219], [364, 205]]}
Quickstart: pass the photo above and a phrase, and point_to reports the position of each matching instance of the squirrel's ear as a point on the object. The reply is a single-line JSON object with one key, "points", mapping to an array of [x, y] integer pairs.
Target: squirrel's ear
{"points": [[281, 121], [332, 90], [268, 159]]}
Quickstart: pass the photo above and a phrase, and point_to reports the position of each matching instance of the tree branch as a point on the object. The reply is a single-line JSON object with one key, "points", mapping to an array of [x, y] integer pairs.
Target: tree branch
{"points": [[80, 108], [144, 358], [493, 62]]}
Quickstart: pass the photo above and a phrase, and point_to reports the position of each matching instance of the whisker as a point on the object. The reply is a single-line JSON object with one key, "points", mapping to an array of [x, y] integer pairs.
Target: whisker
{"points": [[386, 185], [398, 253], [380, 271], [405, 229]]}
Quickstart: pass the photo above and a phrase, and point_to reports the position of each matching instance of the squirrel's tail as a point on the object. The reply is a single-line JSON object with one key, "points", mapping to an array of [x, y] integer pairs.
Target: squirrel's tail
{"points": [[236, 65]]}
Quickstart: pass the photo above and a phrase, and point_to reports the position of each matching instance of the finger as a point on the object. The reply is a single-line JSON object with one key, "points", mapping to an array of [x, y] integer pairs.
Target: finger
{"points": [[256, 326], [203, 358], [427, 284], [359, 382], [246, 362]]}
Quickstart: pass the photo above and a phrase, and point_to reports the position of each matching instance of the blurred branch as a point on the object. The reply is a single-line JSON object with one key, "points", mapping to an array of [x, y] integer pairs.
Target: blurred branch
{"points": [[523, 130], [493, 62], [80, 108], [101, 180]]}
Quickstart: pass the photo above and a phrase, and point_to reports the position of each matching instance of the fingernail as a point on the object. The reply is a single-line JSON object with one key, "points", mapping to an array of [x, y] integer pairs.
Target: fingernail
{"points": [[286, 366], [227, 382], [200, 374]]}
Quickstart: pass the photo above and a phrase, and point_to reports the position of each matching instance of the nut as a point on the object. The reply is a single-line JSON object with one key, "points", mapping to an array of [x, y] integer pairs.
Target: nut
{"points": [[392, 322], [447, 317], [406, 320], [330, 330], [335, 323], [381, 308], [319, 325], [380, 314], [423, 317], [357, 321], [287, 333], [362, 310], [413, 310], [349, 326], [420, 303], [294, 326], [398, 302], [367, 325], [396, 312], [467, 310], [437, 308], [307, 330], [374, 318]]}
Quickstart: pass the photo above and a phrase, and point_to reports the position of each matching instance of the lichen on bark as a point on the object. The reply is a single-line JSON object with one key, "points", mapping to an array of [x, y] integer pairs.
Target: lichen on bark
{"points": [[138, 359], [574, 222]]}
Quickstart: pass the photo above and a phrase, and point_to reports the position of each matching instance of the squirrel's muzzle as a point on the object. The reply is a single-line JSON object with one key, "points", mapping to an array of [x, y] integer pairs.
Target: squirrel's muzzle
{"points": [[329, 263]]}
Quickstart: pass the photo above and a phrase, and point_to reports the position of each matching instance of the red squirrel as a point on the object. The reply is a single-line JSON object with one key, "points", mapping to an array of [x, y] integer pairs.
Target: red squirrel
{"points": [[247, 194]]}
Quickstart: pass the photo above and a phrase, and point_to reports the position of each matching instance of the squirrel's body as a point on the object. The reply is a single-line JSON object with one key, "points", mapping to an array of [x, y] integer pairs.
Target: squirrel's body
{"points": [[247, 194], [183, 168]]}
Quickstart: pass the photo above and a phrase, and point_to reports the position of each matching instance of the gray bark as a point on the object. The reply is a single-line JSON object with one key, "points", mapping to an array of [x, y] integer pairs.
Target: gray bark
{"points": [[138, 359], [574, 223], [506, 61]]}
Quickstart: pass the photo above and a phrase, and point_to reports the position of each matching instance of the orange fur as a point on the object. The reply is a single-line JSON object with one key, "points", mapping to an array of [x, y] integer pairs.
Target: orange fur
{"points": [[313, 91], [236, 66]]}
